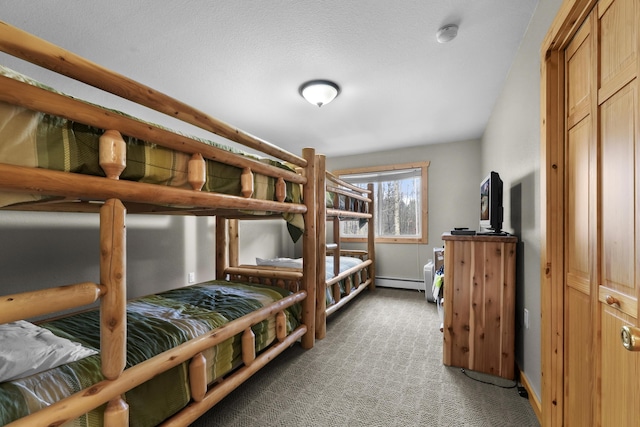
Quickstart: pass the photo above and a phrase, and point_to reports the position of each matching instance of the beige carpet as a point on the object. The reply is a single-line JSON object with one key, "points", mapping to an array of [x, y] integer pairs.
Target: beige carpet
{"points": [[380, 365]]}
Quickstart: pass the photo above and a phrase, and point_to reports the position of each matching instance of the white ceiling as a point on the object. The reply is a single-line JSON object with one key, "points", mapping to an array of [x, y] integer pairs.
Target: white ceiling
{"points": [[242, 62]]}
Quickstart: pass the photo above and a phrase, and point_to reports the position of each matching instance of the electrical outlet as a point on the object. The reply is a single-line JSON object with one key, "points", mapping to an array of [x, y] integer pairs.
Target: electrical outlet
{"points": [[526, 318], [191, 277]]}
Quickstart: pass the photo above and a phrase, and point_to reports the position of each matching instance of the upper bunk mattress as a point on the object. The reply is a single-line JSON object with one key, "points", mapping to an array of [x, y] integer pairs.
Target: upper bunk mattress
{"points": [[155, 324]]}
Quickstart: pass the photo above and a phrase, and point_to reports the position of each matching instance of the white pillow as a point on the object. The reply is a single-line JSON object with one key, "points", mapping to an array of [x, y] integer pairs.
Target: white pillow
{"points": [[280, 262], [26, 349]]}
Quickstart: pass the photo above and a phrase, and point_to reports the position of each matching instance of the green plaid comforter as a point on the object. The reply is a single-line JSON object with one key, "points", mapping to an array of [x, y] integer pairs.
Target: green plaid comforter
{"points": [[155, 324]]}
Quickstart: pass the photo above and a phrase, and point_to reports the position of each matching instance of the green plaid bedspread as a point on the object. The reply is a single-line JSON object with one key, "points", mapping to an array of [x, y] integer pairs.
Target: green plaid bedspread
{"points": [[155, 324]]}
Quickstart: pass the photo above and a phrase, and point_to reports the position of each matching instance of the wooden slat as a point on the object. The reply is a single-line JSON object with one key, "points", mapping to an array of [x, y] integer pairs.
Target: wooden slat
{"points": [[198, 377], [197, 172], [40, 52], [248, 346]]}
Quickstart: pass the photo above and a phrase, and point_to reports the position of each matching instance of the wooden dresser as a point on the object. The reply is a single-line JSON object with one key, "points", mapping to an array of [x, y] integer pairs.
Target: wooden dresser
{"points": [[479, 303]]}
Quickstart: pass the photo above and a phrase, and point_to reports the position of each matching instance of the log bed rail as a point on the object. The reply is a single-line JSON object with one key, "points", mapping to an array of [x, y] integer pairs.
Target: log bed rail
{"points": [[112, 197]]}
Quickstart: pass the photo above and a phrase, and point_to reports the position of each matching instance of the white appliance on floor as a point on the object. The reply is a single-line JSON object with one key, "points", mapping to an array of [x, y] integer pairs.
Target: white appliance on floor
{"points": [[429, 275]]}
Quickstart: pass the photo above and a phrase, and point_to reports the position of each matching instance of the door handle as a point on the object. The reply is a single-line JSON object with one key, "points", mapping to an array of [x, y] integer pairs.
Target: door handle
{"points": [[630, 336]]}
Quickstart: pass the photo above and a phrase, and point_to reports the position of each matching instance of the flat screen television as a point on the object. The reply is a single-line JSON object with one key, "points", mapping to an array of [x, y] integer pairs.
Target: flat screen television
{"points": [[491, 210]]}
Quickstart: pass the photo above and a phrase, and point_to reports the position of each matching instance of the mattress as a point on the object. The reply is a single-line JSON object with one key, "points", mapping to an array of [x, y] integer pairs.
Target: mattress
{"points": [[156, 323]]}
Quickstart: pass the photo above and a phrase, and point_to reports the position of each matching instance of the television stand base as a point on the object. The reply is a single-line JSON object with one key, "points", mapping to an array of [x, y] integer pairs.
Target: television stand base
{"points": [[493, 233]]}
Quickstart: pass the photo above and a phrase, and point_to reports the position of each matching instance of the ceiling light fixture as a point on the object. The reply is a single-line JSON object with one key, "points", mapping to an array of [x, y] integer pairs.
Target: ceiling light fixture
{"points": [[319, 92], [447, 33]]}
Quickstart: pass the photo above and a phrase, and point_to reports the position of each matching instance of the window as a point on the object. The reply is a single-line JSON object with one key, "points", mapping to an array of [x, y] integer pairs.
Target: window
{"points": [[400, 201]]}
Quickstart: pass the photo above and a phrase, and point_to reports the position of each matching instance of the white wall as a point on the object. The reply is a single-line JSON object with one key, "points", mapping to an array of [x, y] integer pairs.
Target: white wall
{"points": [[453, 199], [511, 146]]}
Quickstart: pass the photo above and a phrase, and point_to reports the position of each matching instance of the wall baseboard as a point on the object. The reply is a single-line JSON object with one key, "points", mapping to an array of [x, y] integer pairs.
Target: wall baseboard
{"points": [[533, 397], [398, 283]]}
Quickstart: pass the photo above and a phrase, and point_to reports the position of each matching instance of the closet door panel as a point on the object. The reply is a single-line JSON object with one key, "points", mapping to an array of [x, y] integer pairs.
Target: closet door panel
{"points": [[579, 76], [578, 385], [620, 392], [617, 178], [578, 220], [618, 45]]}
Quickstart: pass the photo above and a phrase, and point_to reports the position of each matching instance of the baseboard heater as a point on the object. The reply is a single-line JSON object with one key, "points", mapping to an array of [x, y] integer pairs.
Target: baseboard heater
{"points": [[400, 283]]}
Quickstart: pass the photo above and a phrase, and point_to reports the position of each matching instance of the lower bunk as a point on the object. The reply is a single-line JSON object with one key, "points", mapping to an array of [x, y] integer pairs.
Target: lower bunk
{"points": [[186, 349], [345, 276]]}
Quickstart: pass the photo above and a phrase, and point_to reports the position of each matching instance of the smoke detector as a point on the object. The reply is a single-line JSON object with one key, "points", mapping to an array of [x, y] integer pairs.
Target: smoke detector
{"points": [[447, 33]]}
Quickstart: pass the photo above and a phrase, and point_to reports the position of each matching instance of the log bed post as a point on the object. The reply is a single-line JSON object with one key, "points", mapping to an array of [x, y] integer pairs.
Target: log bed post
{"points": [[113, 314], [371, 239], [309, 249], [234, 244], [222, 261], [336, 251], [321, 274], [113, 305]]}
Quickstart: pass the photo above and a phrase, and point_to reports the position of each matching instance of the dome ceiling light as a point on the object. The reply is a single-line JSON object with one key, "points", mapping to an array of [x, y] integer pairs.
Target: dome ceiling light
{"points": [[447, 33], [319, 92]]}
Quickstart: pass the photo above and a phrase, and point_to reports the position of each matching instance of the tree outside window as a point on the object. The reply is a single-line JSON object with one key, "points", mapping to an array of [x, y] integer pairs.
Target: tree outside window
{"points": [[400, 196]]}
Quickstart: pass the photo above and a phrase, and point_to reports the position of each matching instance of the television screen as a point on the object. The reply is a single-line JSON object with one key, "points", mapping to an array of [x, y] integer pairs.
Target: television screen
{"points": [[484, 200], [491, 203]]}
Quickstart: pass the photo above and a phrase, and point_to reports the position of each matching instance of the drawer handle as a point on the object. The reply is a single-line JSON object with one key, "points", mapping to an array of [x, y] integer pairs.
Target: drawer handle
{"points": [[612, 301], [630, 338]]}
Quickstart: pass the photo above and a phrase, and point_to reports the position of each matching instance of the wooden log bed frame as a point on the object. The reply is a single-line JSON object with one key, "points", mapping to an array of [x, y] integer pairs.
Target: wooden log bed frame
{"points": [[342, 284], [350, 271], [115, 198]]}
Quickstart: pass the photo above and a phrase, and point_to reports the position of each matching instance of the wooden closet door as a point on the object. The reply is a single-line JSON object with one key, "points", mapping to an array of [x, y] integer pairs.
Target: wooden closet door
{"points": [[580, 223], [619, 226], [602, 225]]}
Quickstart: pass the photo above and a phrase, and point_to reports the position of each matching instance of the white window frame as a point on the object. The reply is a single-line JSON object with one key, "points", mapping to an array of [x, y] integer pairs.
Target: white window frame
{"points": [[379, 173]]}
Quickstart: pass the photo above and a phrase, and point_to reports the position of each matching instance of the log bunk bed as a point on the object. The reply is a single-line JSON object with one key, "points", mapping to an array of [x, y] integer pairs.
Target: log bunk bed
{"points": [[345, 272], [245, 336]]}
